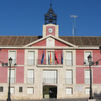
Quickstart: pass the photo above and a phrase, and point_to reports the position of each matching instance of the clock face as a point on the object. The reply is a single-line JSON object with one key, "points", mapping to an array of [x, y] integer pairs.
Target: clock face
{"points": [[50, 30]]}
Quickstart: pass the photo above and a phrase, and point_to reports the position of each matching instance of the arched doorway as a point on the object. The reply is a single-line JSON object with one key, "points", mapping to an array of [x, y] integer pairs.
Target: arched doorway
{"points": [[49, 91]]}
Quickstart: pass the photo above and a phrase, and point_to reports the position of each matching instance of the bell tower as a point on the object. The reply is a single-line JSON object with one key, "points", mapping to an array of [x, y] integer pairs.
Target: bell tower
{"points": [[50, 27]]}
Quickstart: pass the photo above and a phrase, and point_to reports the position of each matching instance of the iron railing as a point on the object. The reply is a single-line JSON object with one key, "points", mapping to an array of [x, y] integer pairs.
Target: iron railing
{"points": [[49, 62]]}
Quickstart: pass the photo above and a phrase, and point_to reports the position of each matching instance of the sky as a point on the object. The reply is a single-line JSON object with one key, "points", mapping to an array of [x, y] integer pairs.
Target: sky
{"points": [[26, 17]]}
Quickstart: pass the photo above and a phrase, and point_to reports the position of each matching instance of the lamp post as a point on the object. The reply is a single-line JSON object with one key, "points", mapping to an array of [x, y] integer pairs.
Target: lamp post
{"points": [[9, 94], [90, 64]]}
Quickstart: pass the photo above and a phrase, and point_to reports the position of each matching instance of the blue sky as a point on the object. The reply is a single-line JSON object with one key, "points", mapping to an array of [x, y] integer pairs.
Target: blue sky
{"points": [[26, 17]]}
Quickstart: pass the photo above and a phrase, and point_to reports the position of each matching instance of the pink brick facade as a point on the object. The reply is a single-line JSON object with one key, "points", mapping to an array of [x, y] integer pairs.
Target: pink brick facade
{"points": [[20, 57], [96, 56], [79, 61], [79, 57], [4, 55], [47, 32], [19, 74], [3, 74], [79, 75], [58, 43], [19, 61], [40, 43], [97, 75], [49, 63]]}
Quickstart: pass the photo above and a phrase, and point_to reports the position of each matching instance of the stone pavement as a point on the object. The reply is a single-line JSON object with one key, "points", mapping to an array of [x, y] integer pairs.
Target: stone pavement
{"points": [[56, 100]]}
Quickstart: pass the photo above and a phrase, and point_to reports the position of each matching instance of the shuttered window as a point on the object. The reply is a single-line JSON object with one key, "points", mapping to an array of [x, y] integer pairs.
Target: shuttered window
{"points": [[12, 89], [12, 78], [31, 58], [69, 91], [50, 77], [87, 77], [30, 76], [87, 91], [69, 77], [69, 58], [87, 53], [12, 54], [30, 90]]}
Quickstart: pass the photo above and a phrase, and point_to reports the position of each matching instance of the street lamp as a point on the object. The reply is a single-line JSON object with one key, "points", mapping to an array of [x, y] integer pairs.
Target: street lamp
{"points": [[90, 64], [9, 94]]}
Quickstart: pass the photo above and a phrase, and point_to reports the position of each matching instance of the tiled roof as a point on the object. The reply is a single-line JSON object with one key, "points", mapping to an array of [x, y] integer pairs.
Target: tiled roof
{"points": [[17, 40], [83, 40], [76, 40]]}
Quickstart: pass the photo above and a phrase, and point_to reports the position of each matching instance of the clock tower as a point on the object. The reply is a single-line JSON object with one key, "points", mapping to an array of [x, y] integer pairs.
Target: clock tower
{"points": [[50, 27]]}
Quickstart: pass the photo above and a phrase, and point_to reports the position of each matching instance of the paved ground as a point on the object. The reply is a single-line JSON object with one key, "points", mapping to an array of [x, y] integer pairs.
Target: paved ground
{"points": [[57, 100]]}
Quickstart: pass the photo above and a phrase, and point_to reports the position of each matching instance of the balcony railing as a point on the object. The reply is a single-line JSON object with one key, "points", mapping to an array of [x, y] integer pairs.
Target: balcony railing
{"points": [[50, 80], [49, 62]]}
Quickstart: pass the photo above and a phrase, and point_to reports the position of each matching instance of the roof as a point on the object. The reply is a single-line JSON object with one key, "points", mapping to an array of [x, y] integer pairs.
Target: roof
{"points": [[17, 40], [83, 40], [76, 40]]}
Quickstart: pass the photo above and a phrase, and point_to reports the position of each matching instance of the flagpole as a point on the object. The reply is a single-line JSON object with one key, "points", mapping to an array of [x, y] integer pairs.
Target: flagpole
{"points": [[74, 24]]}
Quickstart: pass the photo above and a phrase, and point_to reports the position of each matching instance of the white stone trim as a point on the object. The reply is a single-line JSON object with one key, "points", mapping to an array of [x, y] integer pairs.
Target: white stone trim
{"points": [[44, 47], [52, 37]]}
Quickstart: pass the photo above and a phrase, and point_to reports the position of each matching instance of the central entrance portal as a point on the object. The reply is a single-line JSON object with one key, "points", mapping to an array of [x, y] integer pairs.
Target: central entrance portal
{"points": [[49, 92]]}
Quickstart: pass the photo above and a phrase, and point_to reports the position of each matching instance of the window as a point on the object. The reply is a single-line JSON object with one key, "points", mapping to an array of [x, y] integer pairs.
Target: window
{"points": [[20, 89], [69, 77], [69, 91], [31, 58], [86, 54], [69, 58], [12, 90], [30, 76], [1, 89], [50, 76], [87, 90], [30, 90], [12, 54], [51, 57], [12, 79], [87, 77]]}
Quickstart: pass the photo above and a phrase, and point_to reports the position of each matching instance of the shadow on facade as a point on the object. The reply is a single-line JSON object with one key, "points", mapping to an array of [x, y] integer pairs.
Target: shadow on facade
{"points": [[97, 96]]}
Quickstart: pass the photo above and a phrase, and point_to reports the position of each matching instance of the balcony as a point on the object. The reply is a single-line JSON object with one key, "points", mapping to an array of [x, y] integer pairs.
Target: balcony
{"points": [[47, 62]]}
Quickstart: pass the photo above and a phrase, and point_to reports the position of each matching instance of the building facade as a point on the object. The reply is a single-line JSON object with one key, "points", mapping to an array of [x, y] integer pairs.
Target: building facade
{"points": [[49, 66]]}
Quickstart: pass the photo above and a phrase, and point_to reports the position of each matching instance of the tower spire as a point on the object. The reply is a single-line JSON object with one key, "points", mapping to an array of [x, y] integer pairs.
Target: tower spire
{"points": [[50, 16], [50, 5]]}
